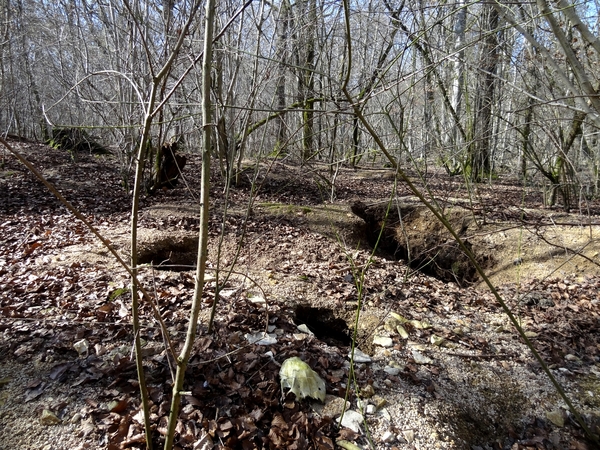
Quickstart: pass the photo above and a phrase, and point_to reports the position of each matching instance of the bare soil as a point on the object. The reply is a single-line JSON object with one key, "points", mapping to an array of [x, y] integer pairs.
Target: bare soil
{"points": [[459, 378]]}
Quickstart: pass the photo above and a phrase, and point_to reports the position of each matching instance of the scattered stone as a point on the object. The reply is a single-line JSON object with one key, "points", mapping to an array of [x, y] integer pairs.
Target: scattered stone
{"points": [[402, 332], [388, 437], [49, 418], [396, 364], [257, 299], [378, 402], [371, 409], [420, 324], [360, 357], [352, 419], [391, 324], [304, 329], [417, 346], [398, 317], [385, 414], [261, 338], [368, 391], [383, 341], [479, 385], [394, 371], [409, 435], [385, 352], [420, 358], [556, 417], [437, 340]]}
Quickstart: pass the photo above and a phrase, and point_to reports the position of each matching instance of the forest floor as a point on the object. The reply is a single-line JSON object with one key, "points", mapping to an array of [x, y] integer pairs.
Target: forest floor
{"points": [[440, 366]]}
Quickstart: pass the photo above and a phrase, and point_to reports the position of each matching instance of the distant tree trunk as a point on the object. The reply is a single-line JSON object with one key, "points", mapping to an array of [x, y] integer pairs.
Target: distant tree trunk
{"points": [[354, 160], [479, 158], [526, 141], [424, 49], [308, 82], [283, 25], [375, 77], [530, 59], [452, 137], [35, 102], [221, 140], [566, 182]]}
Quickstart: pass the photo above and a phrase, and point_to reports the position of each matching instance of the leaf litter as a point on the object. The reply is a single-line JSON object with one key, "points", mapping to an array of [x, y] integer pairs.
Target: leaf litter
{"points": [[463, 381]]}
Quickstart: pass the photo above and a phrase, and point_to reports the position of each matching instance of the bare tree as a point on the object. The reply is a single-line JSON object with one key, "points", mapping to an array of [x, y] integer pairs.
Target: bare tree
{"points": [[479, 161]]}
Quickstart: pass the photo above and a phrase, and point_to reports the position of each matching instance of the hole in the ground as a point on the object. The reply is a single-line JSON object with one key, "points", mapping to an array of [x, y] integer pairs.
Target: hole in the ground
{"points": [[170, 254], [414, 234], [324, 324]]}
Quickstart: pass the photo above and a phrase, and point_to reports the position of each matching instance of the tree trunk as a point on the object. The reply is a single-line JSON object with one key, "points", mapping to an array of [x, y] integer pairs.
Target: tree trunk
{"points": [[307, 77], [479, 159], [282, 59]]}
